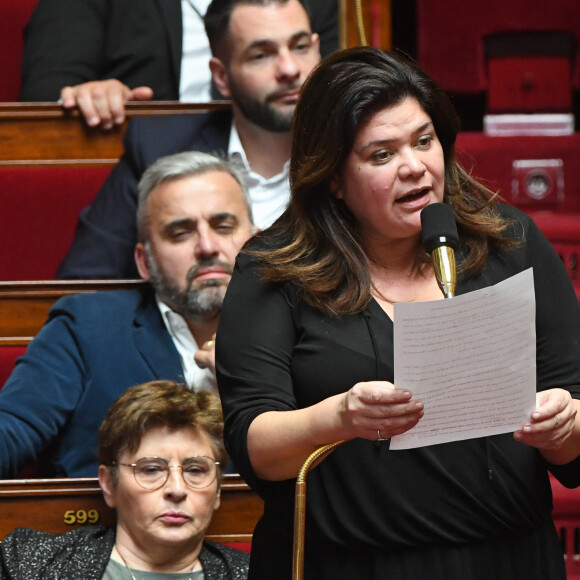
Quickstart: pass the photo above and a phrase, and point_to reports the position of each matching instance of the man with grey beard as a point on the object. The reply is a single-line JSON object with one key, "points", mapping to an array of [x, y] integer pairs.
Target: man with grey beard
{"points": [[193, 217]]}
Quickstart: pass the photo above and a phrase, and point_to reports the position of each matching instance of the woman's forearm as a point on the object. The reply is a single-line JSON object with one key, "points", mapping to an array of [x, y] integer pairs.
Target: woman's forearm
{"points": [[279, 442]]}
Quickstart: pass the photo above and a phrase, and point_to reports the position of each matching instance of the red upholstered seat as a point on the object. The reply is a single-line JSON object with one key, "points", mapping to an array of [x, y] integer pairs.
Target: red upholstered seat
{"points": [[491, 160], [566, 517], [450, 35], [510, 164], [14, 15], [243, 546], [563, 231], [498, 57], [529, 84], [40, 208]]}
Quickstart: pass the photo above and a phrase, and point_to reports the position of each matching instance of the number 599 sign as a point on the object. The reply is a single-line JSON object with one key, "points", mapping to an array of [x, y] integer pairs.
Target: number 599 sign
{"points": [[81, 517]]}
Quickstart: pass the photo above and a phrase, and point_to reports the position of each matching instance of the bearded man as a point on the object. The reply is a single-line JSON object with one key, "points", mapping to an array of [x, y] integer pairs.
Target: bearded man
{"points": [[193, 217], [263, 50]]}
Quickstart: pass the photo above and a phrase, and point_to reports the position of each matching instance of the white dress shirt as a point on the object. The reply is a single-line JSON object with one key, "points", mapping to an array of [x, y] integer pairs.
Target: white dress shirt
{"points": [[269, 196], [195, 80], [195, 378]]}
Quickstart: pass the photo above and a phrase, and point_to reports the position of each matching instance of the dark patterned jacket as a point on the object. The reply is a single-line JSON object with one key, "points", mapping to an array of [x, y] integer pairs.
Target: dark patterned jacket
{"points": [[83, 554]]}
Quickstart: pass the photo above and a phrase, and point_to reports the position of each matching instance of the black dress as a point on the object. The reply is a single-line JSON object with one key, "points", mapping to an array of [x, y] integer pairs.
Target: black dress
{"points": [[479, 508]]}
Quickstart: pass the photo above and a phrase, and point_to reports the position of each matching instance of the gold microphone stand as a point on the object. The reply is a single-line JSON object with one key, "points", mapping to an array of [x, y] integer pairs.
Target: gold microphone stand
{"points": [[321, 452], [445, 270], [300, 508]]}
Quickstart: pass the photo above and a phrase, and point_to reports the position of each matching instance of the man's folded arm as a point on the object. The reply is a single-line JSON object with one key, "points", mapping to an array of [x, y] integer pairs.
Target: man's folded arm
{"points": [[39, 396]]}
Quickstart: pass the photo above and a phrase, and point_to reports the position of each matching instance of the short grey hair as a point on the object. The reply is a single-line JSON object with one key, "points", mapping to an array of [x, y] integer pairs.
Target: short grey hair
{"points": [[180, 166]]}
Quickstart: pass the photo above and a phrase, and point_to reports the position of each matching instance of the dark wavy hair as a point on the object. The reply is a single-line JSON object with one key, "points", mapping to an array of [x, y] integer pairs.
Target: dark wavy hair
{"points": [[315, 244], [219, 14]]}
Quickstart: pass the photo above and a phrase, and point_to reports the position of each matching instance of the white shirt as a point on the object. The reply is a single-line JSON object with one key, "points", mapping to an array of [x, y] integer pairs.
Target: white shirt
{"points": [[195, 80], [269, 196], [195, 378]]}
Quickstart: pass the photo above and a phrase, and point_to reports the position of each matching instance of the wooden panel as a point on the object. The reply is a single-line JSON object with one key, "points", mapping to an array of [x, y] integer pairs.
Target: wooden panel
{"points": [[24, 306], [32, 133], [365, 22], [59, 505]]}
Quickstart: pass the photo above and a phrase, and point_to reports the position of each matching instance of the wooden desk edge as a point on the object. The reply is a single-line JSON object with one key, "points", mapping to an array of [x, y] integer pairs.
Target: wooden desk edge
{"points": [[57, 288], [21, 111], [57, 486]]}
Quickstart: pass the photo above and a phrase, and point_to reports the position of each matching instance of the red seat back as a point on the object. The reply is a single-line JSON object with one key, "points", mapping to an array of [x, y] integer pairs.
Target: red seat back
{"points": [[451, 35], [243, 546], [14, 15], [508, 163], [566, 517], [40, 209]]}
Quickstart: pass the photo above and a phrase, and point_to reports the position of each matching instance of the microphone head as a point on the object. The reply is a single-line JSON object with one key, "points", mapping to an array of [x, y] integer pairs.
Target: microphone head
{"points": [[438, 227]]}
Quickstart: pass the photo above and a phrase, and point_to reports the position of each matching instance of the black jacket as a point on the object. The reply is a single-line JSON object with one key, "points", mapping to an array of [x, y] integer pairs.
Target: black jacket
{"points": [[68, 42]]}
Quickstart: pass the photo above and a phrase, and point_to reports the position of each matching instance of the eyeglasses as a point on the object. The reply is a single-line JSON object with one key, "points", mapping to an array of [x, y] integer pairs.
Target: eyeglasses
{"points": [[153, 472]]}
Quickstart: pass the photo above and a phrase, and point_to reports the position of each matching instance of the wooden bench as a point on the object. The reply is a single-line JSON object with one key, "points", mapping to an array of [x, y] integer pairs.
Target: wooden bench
{"points": [[24, 306], [44, 133], [59, 505]]}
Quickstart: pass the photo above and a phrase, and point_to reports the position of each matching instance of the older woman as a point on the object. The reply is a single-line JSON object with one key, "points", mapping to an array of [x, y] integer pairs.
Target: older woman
{"points": [[305, 349], [161, 455]]}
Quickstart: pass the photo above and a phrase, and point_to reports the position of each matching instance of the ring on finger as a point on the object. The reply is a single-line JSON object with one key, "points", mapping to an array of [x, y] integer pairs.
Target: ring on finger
{"points": [[380, 437], [208, 345]]}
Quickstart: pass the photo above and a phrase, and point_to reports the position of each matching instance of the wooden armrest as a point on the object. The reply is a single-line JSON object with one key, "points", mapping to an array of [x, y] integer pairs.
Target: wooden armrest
{"points": [[45, 133]]}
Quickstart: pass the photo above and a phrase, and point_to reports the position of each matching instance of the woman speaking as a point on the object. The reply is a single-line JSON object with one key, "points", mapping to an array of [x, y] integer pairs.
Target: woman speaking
{"points": [[305, 349]]}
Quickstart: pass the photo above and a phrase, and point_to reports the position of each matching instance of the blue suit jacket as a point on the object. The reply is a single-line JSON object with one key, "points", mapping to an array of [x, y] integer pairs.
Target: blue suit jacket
{"points": [[91, 349], [105, 239]]}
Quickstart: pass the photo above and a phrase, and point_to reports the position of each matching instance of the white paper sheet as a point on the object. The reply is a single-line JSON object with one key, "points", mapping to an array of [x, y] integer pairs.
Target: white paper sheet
{"points": [[470, 359]]}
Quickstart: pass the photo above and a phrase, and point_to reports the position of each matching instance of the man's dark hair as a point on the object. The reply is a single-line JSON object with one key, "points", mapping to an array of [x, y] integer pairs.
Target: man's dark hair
{"points": [[218, 16]]}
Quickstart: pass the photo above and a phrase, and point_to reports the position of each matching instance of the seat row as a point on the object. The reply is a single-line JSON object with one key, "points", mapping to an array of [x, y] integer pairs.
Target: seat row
{"points": [[537, 174], [51, 166]]}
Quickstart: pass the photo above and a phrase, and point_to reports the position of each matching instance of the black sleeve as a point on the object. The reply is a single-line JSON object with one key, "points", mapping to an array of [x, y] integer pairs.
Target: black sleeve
{"points": [[42, 392], [63, 46], [104, 242], [557, 331], [557, 317], [256, 336]]}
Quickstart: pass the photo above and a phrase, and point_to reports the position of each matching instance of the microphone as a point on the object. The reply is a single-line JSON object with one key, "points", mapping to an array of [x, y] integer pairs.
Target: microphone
{"points": [[440, 238]]}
